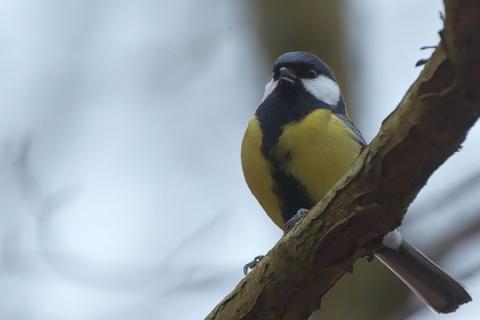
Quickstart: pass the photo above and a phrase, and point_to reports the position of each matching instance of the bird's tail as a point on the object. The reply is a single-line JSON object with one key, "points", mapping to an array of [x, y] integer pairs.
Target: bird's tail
{"points": [[427, 280]]}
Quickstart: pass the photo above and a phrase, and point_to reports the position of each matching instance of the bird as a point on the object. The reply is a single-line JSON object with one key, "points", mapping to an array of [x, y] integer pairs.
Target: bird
{"points": [[299, 143]]}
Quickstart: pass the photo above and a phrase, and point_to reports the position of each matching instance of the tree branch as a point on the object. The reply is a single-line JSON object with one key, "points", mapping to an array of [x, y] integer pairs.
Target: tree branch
{"points": [[427, 127]]}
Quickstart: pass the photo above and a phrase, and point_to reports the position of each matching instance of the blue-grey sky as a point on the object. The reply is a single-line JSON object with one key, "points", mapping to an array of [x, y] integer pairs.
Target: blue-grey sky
{"points": [[121, 192]]}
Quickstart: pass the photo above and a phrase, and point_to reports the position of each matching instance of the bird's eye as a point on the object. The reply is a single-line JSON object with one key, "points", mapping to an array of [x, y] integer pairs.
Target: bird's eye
{"points": [[312, 73], [275, 76]]}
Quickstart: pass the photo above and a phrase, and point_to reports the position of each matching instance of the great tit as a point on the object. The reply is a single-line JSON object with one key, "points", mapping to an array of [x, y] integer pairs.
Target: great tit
{"points": [[300, 142]]}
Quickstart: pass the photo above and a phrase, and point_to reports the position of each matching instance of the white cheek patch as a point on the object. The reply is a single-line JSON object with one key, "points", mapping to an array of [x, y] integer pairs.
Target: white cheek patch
{"points": [[392, 240], [323, 88], [269, 87]]}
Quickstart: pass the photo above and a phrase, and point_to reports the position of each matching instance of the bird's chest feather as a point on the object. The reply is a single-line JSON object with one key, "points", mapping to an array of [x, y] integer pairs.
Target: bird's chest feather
{"points": [[258, 172], [304, 160], [316, 150]]}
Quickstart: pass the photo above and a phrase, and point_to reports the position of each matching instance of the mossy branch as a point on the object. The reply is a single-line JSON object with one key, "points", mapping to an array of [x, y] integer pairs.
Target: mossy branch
{"points": [[427, 127]]}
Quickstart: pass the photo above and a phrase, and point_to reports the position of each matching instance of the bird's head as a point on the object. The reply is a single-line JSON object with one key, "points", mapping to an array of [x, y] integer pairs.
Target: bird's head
{"points": [[303, 73]]}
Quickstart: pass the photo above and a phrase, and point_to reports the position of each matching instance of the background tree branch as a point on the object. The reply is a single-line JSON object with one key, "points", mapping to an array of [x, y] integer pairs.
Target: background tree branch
{"points": [[427, 127]]}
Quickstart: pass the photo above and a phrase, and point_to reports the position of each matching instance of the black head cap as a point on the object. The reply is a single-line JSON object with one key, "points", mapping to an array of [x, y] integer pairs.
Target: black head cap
{"points": [[302, 62]]}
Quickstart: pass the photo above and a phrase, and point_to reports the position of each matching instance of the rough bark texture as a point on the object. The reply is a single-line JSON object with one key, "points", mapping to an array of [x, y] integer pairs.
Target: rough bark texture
{"points": [[427, 127]]}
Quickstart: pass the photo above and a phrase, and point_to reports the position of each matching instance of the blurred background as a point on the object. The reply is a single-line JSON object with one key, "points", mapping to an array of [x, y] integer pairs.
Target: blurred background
{"points": [[121, 191]]}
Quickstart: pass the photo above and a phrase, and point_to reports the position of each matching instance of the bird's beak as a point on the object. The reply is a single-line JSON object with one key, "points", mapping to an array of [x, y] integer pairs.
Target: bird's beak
{"points": [[287, 75]]}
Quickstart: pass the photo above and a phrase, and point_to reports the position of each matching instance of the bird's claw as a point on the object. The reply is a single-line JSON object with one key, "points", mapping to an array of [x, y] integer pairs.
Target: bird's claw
{"points": [[252, 264], [301, 213]]}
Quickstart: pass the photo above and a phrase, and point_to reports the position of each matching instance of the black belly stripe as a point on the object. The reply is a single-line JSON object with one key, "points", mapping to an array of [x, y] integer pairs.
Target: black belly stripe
{"points": [[282, 107], [292, 193]]}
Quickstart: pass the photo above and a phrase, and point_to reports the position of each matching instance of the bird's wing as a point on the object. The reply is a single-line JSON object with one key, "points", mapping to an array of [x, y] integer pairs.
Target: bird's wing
{"points": [[356, 134]]}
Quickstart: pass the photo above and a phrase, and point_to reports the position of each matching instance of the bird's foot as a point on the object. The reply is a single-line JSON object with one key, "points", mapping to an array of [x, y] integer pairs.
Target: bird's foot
{"points": [[421, 62], [301, 213], [252, 264]]}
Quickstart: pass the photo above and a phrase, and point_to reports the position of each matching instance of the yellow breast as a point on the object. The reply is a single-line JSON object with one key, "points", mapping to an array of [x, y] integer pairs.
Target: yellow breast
{"points": [[319, 150], [257, 172]]}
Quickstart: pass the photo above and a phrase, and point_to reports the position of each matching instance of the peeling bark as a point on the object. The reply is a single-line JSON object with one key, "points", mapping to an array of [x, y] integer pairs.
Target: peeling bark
{"points": [[428, 126]]}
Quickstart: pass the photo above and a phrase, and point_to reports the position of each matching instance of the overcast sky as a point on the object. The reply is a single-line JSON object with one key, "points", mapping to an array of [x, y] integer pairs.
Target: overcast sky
{"points": [[121, 192]]}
